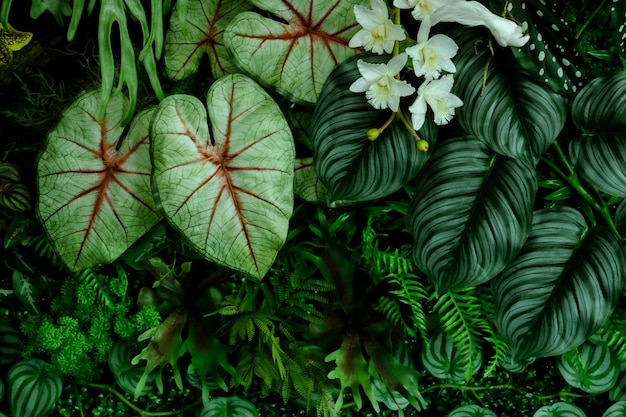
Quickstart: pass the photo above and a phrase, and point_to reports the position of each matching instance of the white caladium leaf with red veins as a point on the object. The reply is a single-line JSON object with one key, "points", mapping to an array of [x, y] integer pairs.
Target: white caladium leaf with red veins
{"points": [[294, 57], [229, 193], [95, 199], [201, 32]]}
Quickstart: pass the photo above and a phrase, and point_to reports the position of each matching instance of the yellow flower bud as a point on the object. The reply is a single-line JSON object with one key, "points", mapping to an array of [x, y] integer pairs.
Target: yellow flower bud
{"points": [[422, 145], [373, 133]]}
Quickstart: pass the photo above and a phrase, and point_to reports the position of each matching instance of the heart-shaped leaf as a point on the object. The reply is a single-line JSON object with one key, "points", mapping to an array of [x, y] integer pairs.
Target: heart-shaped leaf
{"points": [[561, 288], [230, 194], [232, 406], [471, 411], [559, 410], [95, 198], [592, 368], [471, 213], [200, 32], [353, 167], [443, 360], [32, 391], [600, 107], [126, 374], [297, 48], [306, 184], [513, 115], [616, 410]]}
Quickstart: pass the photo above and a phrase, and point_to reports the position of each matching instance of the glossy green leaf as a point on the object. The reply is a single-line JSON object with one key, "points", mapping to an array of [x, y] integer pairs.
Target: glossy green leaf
{"points": [[95, 198], [559, 410], [201, 31], [616, 410], [32, 390], [127, 375], [443, 361], [306, 185], [471, 213], [561, 288], [58, 8], [297, 47], [600, 107], [601, 160], [230, 193], [351, 166], [513, 115], [591, 368], [26, 292], [232, 406], [10, 344], [471, 411]]}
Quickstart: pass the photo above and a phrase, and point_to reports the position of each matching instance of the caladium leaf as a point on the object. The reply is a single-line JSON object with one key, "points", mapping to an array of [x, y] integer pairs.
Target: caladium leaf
{"points": [[296, 56], [561, 288], [471, 213], [592, 368], [512, 114], [201, 31], [230, 194], [306, 184], [95, 198], [559, 410]]}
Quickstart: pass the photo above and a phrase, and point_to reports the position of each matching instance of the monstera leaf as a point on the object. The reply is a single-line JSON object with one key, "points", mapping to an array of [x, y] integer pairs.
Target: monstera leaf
{"points": [[295, 50], [32, 390], [559, 410], [512, 114], [230, 193], [592, 368], [352, 167], [471, 213], [94, 186], [200, 32], [561, 288]]}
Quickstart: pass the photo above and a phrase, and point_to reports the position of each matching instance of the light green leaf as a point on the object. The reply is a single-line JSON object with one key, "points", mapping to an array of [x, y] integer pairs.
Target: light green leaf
{"points": [[443, 361], [95, 198], [351, 166], [58, 8], [559, 410], [230, 193], [616, 410], [513, 115], [32, 391], [591, 368], [561, 288], [471, 411], [201, 31], [471, 213], [297, 48], [306, 184], [232, 406]]}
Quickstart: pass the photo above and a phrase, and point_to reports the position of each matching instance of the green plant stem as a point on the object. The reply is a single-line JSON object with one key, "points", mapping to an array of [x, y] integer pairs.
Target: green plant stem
{"points": [[572, 179], [80, 405], [473, 389], [142, 413], [589, 19]]}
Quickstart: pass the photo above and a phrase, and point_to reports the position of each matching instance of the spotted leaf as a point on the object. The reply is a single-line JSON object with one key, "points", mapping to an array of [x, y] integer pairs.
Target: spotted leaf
{"points": [[295, 49], [229, 192], [200, 32], [617, 10], [95, 198]]}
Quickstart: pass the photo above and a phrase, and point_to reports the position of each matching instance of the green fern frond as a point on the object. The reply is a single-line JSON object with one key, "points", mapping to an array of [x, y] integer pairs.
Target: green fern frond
{"points": [[97, 284], [395, 262], [614, 333], [498, 345], [412, 293]]}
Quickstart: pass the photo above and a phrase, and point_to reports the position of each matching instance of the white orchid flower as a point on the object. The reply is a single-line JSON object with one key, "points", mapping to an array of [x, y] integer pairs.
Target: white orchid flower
{"points": [[378, 81], [471, 13], [421, 8], [379, 33], [431, 56], [437, 95]]}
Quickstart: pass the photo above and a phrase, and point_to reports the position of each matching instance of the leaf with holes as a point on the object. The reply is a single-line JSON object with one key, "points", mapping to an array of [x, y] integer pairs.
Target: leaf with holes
{"points": [[200, 32], [351, 166], [471, 213], [443, 361], [561, 288], [513, 115], [296, 56], [232, 406], [471, 411], [95, 198], [230, 194], [591, 368], [32, 390]]}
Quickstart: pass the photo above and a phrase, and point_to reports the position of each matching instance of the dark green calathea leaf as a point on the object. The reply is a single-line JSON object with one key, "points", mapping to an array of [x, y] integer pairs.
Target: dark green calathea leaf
{"points": [[32, 390], [616, 410], [306, 185], [552, 55], [617, 9], [471, 213], [95, 198], [512, 114], [591, 368], [126, 374], [600, 107], [10, 344], [561, 288], [229, 193], [200, 32], [601, 161], [471, 411], [559, 410], [232, 406], [443, 361], [352, 167], [297, 48]]}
